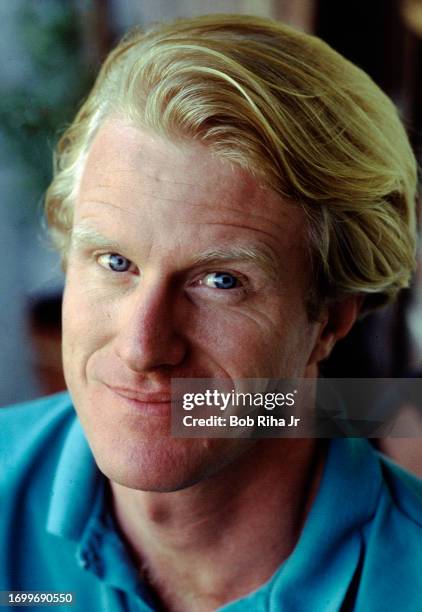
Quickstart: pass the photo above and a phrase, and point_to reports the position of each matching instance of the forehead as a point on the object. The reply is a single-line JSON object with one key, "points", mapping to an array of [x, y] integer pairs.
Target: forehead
{"points": [[145, 180]]}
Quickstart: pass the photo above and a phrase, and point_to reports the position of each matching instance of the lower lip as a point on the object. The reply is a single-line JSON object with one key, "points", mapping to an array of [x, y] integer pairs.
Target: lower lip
{"points": [[159, 409]]}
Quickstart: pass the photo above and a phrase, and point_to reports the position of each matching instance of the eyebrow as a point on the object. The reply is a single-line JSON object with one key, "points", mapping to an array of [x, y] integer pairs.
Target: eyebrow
{"points": [[84, 235], [253, 255]]}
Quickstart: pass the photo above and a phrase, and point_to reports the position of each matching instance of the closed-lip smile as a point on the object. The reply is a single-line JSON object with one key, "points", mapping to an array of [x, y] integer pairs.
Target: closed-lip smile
{"points": [[147, 404], [158, 397]]}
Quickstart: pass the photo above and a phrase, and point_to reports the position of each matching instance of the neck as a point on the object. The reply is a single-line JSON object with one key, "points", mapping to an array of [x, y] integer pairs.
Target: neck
{"points": [[199, 541]]}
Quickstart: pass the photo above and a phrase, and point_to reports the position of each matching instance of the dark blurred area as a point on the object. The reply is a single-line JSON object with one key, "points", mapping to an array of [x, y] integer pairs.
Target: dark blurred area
{"points": [[45, 327], [52, 51], [384, 37]]}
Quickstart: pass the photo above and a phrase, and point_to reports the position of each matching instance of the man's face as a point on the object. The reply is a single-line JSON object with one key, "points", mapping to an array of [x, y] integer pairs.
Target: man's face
{"points": [[181, 266]]}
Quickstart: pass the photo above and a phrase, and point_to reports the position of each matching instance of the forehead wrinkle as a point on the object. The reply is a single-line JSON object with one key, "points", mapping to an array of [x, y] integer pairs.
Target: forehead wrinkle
{"points": [[156, 179], [110, 204], [281, 239], [141, 194]]}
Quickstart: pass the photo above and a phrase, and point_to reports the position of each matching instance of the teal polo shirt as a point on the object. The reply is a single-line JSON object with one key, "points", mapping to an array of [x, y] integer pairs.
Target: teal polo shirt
{"points": [[360, 548]]}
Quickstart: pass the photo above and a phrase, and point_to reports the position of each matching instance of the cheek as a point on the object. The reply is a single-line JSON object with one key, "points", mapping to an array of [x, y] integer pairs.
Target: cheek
{"points": [[83, 322], [84, 303], [245, 344]]}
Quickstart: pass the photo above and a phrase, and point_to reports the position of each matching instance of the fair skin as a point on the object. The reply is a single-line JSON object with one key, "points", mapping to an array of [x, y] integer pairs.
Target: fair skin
{"points": [[154, 224]]}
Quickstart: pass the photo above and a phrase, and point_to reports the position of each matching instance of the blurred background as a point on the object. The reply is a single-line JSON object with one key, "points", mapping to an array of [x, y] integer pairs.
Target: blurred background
{"points": [[50, 51]]}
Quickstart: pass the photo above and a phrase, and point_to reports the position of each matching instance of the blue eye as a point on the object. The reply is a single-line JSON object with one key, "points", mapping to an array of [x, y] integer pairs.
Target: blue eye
{"points": [[221, 280], [114, 262]]}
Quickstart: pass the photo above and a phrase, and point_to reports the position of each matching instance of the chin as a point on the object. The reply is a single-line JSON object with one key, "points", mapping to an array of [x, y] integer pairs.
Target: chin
{"points": [[168, 464], [137, 451]]}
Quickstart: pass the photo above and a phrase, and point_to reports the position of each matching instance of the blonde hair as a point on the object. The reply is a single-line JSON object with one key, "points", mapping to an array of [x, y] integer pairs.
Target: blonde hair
{"points": [[289, 109]]}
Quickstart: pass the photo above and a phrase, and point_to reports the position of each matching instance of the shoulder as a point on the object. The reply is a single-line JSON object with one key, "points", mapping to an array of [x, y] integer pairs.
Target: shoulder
{"points": [[393, 542], [373, 511], [31, 433], [56, 402], [404, 492], [21, 422]]}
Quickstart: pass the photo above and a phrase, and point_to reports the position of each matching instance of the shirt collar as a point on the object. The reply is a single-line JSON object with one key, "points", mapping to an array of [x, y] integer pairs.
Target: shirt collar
{"points": [[79, 512], [322, 566], [77, 487], [323, 562]]}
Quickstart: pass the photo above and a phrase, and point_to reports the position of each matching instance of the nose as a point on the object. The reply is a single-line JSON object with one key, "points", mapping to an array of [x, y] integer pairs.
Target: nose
{"points": [[150, 335]]}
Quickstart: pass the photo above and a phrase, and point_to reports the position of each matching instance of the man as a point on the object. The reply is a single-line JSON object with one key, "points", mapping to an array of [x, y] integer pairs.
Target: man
{"points": [[228, 199]]}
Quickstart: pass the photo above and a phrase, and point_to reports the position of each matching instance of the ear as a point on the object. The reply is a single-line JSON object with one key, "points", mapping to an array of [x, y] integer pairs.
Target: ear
{"points": [[336, 323]]}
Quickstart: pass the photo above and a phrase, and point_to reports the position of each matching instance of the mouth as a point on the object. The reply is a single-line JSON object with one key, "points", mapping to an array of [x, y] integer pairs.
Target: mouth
{"points": [[151, 404]]}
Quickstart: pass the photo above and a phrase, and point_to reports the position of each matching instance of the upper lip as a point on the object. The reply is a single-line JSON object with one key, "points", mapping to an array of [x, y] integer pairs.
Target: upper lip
{"points": [[158, 397]]}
